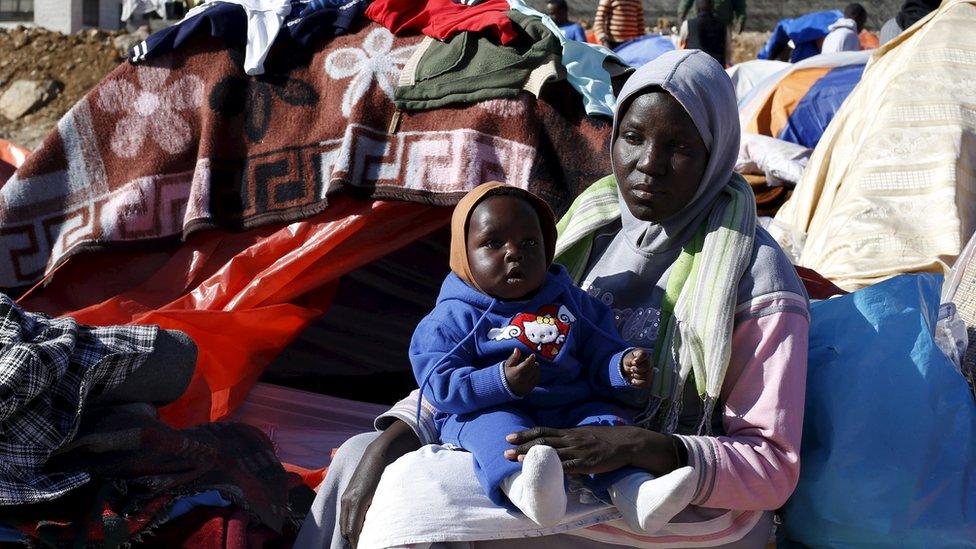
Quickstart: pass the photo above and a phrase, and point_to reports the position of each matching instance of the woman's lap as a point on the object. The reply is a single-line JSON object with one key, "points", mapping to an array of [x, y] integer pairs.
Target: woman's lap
{"points": [[321, 527]]}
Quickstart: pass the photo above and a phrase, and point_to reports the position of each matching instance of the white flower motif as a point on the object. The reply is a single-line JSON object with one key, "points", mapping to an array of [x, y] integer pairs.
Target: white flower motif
{"points": [[504, 108], [375, 59], [152, 110]]}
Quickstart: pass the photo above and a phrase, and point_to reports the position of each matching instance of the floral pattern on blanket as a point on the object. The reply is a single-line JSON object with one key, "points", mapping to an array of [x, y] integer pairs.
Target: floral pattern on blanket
{"points": [[151, 109]]}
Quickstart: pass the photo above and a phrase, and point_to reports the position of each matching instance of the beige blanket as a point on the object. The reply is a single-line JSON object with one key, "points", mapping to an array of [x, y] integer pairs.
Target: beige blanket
{"points": [[891, 187]]}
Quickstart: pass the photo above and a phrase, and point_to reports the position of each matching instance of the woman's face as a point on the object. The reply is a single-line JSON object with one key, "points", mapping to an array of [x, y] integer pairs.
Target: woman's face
{"points": [[659, 157]]}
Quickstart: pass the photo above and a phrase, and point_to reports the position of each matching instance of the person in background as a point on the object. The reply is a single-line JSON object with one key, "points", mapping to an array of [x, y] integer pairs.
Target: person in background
{"points": [[706, 32], [618, 21], [804, 34], [843, 35], [732, 13], [558, 10], [911, 12]]}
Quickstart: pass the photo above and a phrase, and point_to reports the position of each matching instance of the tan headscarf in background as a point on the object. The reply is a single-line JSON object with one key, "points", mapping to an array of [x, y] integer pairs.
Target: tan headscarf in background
{"points": [[462, 212]]}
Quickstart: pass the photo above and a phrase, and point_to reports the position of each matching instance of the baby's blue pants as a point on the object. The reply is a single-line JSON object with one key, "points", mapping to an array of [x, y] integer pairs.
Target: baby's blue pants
{"points": [[483, 434]]}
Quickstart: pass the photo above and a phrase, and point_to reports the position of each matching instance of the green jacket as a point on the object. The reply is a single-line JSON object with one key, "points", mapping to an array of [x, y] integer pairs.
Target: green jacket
{"points": [[727, 11]]}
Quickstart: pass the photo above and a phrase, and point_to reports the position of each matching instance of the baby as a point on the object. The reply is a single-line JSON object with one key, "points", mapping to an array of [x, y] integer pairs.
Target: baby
{"points": [[511, 344]]}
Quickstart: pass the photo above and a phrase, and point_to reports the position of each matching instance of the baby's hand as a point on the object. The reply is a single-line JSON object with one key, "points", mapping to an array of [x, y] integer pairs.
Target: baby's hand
{"points": [[637, 368], [522, 376]]}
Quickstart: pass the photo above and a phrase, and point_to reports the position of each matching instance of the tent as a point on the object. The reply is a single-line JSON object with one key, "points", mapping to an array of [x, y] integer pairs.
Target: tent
{"points": [[797, 103], [748, 74], [888, 188]]}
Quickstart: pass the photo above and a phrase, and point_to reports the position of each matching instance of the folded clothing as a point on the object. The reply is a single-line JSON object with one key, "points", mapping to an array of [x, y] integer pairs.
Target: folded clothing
{"points": [[442, 19], [469, 68], [589, 68], [242, 26], [50, 372]]}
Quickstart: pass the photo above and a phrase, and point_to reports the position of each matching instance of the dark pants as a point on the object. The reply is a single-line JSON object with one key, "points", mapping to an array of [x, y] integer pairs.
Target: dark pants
{"points": [[162, 378]]}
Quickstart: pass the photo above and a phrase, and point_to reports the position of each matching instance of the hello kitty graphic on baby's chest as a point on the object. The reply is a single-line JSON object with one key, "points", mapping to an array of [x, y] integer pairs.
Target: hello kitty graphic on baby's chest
{"points": [[544, 332]]}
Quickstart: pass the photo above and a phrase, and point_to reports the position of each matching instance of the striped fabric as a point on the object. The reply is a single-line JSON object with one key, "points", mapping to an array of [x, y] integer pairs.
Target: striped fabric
{"points": [[619, 20], [700, 338]]}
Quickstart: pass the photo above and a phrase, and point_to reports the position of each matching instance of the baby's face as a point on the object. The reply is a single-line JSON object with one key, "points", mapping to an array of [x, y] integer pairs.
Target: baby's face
{"points": [[506, 253]]}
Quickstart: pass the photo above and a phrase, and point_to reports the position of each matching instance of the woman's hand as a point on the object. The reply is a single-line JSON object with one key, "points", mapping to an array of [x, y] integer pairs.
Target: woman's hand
{"points": [[395, 441], [599, 449]]}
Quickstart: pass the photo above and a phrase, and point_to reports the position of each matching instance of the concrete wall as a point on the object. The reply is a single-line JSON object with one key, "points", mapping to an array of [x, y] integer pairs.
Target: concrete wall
{"points": [[58, 15], [66, 15], [761, 14]]}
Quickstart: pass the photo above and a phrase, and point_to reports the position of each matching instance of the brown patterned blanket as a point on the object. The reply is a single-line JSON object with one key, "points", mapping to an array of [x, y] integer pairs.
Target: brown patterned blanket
{"points": [[188, 142]]}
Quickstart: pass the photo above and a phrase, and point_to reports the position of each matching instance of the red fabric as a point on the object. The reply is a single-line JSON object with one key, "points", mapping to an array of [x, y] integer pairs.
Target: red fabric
{"points": [[211, 527], [442, 19], [11, 157], [869, 40], [310, 477], [241, 297], [817, 286]]}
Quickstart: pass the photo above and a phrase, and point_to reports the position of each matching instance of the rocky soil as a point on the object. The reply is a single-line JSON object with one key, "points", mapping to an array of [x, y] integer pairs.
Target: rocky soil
{"points": [[60, 67]]}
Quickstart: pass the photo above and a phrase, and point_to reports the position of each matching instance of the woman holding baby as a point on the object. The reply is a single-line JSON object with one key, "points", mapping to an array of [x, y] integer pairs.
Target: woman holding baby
{"points": [[669, 245]]}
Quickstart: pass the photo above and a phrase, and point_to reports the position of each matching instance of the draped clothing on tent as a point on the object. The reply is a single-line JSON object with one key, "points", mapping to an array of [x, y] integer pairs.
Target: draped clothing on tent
{"points": [[889, 188]]}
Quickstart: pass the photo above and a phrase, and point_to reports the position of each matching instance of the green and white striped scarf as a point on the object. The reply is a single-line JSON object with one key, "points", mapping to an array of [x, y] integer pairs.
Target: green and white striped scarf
{"points": [[698, 309]]}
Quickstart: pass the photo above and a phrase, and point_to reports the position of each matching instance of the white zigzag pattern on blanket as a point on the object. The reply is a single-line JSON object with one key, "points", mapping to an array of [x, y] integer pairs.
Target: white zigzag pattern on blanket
{"points": [[148, 206], [436, 161]]}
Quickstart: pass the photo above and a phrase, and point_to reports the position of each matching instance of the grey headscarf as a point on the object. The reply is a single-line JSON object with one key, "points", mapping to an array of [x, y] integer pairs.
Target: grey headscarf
{"points": [[705, 91], [700, 85]]}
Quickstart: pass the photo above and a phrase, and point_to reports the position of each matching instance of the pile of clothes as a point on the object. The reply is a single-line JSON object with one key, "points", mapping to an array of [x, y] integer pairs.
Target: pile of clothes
{"points": [[84, 462], [473, 51]]}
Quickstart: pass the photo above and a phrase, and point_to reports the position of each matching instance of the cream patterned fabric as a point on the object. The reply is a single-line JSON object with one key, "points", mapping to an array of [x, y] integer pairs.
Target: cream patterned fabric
{"points": [[891, 187]]}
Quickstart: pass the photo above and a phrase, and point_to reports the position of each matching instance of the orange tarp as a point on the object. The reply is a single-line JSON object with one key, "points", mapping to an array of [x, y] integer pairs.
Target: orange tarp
{"points": [[868, 40], [775, 111], [242, 297], [11, 157]]}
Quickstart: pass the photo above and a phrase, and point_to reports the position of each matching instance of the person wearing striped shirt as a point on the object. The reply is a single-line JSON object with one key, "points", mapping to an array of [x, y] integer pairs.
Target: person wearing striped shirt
{"points": [[618, 21]]}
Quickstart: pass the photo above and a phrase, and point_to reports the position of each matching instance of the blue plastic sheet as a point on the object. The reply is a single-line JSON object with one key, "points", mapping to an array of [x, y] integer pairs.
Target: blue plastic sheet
{"points": [[889, 436], [11, 535], [643, 50], [804, 31], [812, 115]]}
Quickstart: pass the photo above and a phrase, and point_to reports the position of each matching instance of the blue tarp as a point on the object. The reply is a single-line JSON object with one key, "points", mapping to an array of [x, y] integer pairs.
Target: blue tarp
{"points": [[889, 434], [813, 113], [645, 49], [804, 31]]}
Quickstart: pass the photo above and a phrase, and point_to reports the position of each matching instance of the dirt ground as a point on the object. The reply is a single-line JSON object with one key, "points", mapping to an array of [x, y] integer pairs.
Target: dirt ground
{"points": [[746, 45], [79, 61]]}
